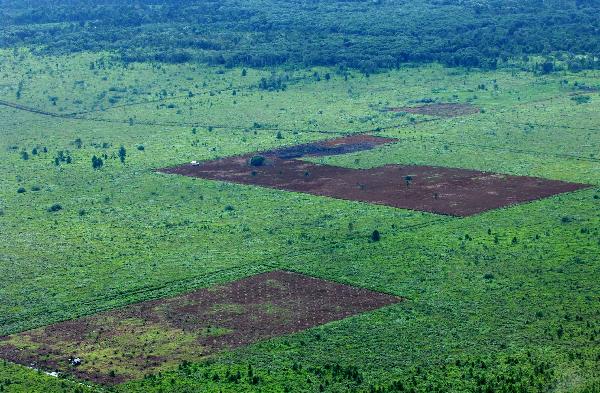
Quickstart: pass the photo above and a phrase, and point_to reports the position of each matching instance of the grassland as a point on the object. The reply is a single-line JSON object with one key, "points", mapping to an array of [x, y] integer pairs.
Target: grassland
{"points": [[507, 300]]}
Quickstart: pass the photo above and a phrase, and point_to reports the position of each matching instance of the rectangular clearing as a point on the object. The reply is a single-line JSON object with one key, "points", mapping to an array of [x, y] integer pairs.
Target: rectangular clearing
{"points": [[126, 343], [450, 191]]}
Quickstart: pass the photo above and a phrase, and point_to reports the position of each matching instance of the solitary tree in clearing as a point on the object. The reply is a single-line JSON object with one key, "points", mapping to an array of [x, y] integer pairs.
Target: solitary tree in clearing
{"points": [[97, 162], [122, 154], [375, 236]]}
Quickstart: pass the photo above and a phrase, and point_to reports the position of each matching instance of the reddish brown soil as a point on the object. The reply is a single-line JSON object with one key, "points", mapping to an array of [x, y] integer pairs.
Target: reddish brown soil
{"points": [[443, 110], [451, 191], [247, 311]]}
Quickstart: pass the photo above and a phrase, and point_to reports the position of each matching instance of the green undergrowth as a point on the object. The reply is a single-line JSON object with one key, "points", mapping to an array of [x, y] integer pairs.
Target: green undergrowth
{"points": [[505, 301]]}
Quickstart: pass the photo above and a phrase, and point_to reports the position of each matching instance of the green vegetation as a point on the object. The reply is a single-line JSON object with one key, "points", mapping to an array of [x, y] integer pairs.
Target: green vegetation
{"points": [[371, 35], [503, 301]]}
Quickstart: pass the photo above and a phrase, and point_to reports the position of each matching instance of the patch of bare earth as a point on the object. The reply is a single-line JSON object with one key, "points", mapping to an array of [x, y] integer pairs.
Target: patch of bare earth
{"points": [[126, 343], [442, 110], [450, 191]]}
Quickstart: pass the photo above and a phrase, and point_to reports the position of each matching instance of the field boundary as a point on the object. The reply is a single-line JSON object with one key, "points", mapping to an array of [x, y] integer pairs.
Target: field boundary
{"points": [[170, 287]]}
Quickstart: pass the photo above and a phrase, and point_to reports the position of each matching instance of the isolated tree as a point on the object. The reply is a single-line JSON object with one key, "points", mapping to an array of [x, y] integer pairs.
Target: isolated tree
{"points": [[25, 155], [257, 160], [122, 154], [54, 208], [375, 236], [408, 179], [97, 162]]}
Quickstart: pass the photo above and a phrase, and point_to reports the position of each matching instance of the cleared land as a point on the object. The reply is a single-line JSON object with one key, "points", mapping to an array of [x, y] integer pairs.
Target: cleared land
{"points": [[126, 343], [451, 191]]}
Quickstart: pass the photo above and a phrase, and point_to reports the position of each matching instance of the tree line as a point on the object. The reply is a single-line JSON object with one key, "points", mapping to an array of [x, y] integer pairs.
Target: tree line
{"points": [[369, 36]]}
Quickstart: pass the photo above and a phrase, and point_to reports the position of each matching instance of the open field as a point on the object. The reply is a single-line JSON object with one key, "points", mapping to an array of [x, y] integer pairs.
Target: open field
{"points": [[505, 300]]}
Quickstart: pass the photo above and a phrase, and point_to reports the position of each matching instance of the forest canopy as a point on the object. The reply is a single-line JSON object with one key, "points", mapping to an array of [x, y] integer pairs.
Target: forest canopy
{"points": [[368, 35]]}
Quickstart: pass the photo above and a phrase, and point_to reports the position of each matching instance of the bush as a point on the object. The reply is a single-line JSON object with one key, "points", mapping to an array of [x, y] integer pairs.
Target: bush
{"points": [[54, 208], [35, 188], [21, 190], [375, 236], [141, 147], [257, 161], [97, 162], [581, 99]]}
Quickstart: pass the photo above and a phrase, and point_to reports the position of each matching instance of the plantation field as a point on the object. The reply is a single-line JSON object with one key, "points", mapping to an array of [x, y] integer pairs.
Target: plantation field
{"points": [[507, 300]]}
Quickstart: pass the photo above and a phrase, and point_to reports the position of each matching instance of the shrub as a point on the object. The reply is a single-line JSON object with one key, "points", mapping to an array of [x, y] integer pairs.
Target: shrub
{"points": [[21, 190], [54, 208], [566, 219], [581, 99], [97, 162], [257, 160], [141, 147], [375, 236], [35, 188], [122, 154]]}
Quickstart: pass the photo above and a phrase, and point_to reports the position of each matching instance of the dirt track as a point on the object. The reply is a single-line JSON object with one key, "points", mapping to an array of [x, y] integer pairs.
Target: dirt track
{"points": [[442, 110]]}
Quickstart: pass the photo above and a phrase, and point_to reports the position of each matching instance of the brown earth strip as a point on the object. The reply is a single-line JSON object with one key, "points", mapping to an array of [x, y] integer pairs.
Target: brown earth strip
{"points": [[443, 110], [450, 191], [126, 343]]}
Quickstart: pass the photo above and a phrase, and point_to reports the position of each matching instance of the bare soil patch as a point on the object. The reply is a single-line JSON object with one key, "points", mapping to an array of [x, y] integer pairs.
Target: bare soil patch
{"points": [[450, 191], [126, 343], [442, 110]]}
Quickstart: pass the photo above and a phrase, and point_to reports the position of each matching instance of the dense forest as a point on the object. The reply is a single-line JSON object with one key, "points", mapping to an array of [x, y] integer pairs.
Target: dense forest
{"points": [[368, 35]]}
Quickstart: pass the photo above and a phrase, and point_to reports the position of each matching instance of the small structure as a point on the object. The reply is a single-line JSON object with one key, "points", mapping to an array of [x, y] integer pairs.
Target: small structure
{"points": [[195, 163], [75, 361]]}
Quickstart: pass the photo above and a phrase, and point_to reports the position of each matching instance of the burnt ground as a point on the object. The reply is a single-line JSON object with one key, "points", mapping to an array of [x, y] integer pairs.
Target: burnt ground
{"points": [[450, 191], [330, 147], [126, 343], [442, 110]]}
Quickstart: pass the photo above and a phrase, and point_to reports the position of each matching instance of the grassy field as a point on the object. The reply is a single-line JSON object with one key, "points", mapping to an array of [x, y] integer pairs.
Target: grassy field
{"points": [[507, 300]]}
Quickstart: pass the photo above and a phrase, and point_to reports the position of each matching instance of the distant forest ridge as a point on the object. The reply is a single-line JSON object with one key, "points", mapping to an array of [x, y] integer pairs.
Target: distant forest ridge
{"points": [[368, 35]]}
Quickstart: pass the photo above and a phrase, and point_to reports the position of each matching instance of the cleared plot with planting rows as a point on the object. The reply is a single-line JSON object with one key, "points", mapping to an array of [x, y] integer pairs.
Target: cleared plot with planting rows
{"points": [[127, 343]]}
